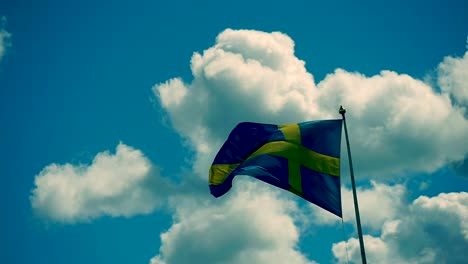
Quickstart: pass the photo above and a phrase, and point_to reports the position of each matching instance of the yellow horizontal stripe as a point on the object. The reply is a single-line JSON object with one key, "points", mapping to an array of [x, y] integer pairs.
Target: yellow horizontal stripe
{"points": [[219, 172], [290, 149], [305, 157]]}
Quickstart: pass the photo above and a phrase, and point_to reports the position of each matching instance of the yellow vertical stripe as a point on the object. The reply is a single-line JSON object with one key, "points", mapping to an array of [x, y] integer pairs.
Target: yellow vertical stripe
{"points": [[292, 133], [294, 178]]}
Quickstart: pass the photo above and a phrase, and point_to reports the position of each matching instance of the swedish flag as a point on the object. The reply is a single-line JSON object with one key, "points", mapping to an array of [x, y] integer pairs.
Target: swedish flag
{"points": [[303, 158]]}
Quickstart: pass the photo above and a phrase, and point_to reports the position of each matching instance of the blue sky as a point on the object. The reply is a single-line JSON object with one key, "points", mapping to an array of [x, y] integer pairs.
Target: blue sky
{"points": [[136, 97]]}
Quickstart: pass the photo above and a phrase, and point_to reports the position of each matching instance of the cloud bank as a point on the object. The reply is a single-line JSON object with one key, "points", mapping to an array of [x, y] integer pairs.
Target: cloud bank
{"points": [[253, 225], [121, 184], [432, 230], [397, 124]]}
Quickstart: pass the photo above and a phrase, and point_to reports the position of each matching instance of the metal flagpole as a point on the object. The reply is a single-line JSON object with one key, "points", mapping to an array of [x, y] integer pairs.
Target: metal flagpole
{"points": [[356, 207]]}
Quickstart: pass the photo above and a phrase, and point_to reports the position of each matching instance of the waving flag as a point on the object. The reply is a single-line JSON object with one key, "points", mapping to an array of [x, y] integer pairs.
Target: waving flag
{"points": [[303, 158]]}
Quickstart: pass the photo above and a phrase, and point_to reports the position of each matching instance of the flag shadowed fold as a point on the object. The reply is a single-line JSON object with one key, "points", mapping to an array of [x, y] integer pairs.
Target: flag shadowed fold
{"points": [[303, 158]]}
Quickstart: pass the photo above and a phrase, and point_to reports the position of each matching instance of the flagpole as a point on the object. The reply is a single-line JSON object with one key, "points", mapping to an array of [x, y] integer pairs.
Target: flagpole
{"points": [[342, 111]]}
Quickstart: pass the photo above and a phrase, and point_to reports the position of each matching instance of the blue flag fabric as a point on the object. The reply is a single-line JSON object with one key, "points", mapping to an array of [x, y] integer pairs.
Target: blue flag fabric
{"points": [[303, 158]]}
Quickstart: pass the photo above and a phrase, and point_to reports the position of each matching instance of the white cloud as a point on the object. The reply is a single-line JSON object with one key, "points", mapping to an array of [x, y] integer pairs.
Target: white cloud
{"points": [[453, 80], [397, 123], [432, 230], [377, 204], [453, 77], [247, 75], [5, 37], [120, 184], [251, 225]]}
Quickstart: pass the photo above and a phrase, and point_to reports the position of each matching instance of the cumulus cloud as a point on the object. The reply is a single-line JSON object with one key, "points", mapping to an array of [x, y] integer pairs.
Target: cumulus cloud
{"points": [[253, 225], [123, 183], [397, 123], [247, 76], [433, 230], [453, 77], [377, 204], [5, 37], [453, 80]]}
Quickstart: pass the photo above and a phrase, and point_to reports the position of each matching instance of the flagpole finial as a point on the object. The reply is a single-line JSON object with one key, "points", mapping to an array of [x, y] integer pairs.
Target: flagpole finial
{"points": [[342, 111]]}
